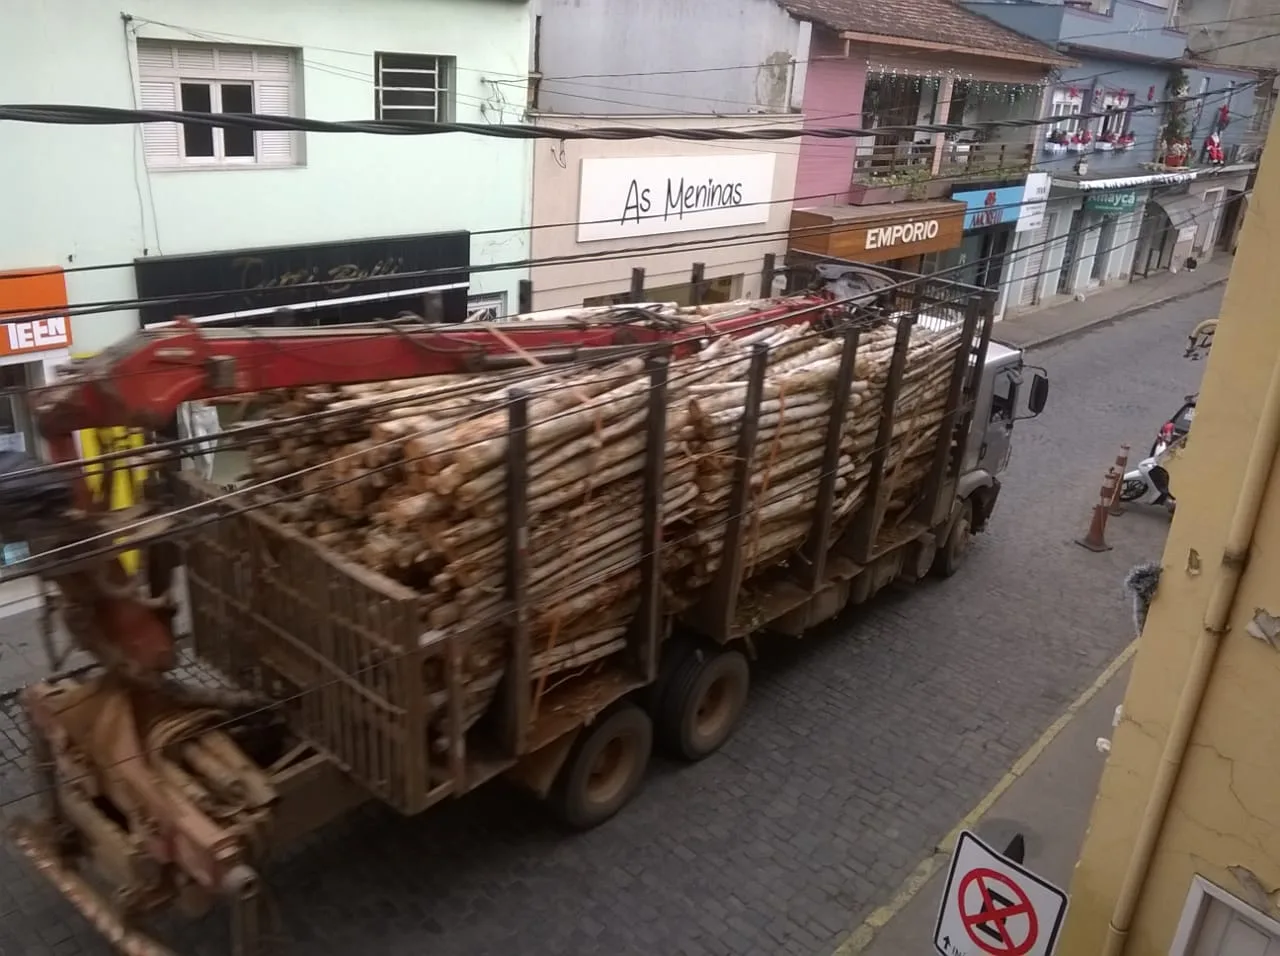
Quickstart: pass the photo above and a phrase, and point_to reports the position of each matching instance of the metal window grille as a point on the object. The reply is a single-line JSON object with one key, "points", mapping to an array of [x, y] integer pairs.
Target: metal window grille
{"points": [[409, 86]]}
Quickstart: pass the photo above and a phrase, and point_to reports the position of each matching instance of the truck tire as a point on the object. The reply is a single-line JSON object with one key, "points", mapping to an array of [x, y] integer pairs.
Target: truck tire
{"points": [[954, 550], [703, 703], [605, 768]]}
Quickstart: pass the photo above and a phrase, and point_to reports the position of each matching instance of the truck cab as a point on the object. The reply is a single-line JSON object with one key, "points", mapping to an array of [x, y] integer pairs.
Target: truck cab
{"points": [[1008, 391]]}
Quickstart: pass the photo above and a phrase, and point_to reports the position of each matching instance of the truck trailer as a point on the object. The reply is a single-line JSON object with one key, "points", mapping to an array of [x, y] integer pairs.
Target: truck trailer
{"points": [[534, 549]]}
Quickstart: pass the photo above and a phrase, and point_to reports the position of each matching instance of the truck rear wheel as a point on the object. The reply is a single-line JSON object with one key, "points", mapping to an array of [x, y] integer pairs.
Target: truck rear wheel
{"points": [[605, 768], [954, 550], [703, 702]]}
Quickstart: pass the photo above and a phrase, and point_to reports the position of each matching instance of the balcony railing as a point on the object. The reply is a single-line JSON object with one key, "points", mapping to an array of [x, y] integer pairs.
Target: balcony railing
{"points": [[897, 162], [960, 160], [927, 171]]}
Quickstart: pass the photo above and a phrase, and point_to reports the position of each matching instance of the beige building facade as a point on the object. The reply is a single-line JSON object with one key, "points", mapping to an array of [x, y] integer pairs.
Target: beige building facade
{"points": [[605, 208], [1182, 857]]}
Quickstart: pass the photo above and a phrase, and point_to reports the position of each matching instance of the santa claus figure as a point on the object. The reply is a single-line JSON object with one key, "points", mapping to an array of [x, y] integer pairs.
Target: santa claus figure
{"points": [[1213, 150]]}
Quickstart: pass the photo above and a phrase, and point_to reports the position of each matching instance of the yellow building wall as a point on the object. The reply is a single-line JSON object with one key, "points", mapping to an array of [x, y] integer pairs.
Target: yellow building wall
{"points": [[1226, 806]]}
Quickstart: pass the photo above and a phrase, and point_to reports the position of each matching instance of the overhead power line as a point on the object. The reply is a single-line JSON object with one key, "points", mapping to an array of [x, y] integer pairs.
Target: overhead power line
{"points": [[65, 115], [690, 245]]}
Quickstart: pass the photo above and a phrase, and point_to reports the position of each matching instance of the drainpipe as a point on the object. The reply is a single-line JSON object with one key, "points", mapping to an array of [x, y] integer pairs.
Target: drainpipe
{"points": [[1217, 615]]}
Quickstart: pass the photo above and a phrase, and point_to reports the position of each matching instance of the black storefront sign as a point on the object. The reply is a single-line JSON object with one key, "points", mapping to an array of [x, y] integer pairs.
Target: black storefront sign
{"points": [[282, 276]]}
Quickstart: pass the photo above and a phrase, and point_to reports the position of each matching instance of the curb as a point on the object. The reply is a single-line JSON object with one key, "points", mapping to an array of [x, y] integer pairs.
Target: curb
{"points": [[1054, 337], [864, 935]]}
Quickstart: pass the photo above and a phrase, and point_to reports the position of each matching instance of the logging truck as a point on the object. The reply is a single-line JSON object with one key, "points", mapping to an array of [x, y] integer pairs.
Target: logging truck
{"points": [[532, 549]]}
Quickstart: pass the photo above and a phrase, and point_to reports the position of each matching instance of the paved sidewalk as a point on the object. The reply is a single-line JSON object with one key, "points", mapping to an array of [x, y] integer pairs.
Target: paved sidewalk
{"points": [[1109, 304], [1048, 803]]}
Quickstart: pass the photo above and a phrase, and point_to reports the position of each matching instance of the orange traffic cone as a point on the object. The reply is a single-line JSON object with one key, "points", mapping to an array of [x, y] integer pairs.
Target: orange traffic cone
{"points": [[1122, 464], [1095, 540]]}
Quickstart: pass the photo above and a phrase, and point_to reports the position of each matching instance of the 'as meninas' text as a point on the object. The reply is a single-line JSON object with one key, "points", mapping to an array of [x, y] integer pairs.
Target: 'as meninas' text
{"points": [[680, 198]]}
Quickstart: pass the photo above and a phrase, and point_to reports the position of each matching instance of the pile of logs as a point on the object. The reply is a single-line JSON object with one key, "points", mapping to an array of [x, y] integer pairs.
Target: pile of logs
{"points": [[408, 478]]}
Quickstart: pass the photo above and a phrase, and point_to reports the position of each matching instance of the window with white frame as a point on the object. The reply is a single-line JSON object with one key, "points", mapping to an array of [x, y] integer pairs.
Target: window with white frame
{"points": [[202, 78], [411, 86], [1115, 106], [1064, 108]]}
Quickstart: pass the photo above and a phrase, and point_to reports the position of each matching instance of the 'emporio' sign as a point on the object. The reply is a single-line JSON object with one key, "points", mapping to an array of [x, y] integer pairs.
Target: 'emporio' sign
{"points": [[884, 237]]}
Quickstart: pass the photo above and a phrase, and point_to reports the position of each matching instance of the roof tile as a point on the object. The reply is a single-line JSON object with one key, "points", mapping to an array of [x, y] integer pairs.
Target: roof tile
{"points": [[935, 21]]}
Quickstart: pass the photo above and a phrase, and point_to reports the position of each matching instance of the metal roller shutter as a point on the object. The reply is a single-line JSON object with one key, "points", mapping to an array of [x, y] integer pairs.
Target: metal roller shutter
{"points": [[1036, 243]]}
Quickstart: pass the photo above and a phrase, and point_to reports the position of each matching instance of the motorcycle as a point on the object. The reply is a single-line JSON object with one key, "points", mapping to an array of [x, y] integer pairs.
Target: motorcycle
{"points": [[1148, 483]]}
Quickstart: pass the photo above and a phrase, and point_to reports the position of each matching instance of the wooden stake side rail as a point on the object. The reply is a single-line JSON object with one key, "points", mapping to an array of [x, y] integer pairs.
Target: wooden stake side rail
{"points": [[721, 606], [939, 490], [646, 630], [517, 677], [818, 542], [979, 362], [866, 528]]}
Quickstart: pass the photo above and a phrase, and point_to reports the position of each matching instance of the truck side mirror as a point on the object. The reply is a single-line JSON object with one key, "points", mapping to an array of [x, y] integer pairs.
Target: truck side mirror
{"points": [[1038, 397]]}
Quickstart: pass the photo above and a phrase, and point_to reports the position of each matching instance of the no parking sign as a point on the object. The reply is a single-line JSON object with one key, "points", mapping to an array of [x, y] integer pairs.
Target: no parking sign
{"points": [[993, 907]]}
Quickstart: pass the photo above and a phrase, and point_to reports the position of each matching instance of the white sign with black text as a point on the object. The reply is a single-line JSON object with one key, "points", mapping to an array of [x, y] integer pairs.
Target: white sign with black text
{"points": [[1034, 196], [655, 195], [992, 906]]}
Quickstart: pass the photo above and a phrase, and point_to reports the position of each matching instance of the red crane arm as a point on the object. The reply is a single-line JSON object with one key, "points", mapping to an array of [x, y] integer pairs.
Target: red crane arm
{"points": [[142, 381]]}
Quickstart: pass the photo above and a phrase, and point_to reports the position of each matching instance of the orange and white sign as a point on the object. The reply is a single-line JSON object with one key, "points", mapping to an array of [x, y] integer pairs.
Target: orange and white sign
{"points": [[33, 291]]}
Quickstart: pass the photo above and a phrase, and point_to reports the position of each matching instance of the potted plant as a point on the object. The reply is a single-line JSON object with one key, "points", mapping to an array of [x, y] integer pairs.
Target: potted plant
{"points": [[1082, 142], [879, 188], [1055, 143], [1177, 152], [1125, 141], [1106, 142]]}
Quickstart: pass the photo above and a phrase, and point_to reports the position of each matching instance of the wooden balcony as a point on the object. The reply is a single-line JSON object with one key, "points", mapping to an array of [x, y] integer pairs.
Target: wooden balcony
{"points": [[892, 173], [881, 162], [985, 160], [922, 171]]}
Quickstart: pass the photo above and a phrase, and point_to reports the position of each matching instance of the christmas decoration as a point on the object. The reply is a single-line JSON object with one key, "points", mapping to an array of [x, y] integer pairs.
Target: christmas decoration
{"points": [[1213, 149]]}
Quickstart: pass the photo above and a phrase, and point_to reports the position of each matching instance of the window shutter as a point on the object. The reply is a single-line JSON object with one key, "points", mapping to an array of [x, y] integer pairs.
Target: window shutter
{"points": [[275, 61], [161, 142], [194, 60], [275, 147], [154, 57]]}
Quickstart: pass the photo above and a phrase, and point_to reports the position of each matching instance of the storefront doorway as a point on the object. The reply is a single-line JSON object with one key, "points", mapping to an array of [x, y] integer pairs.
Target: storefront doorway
{"points": [[1230, 221], [1156, 241], [1070, 253], [1104, 250], [15, 420]]}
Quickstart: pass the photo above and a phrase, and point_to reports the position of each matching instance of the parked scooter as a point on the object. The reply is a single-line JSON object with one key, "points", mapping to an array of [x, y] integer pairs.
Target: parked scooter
{"points": [[1148, 483]]}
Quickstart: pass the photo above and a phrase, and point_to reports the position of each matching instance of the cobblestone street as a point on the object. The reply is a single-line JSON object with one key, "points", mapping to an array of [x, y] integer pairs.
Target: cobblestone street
{"points": [[861, 746]]}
